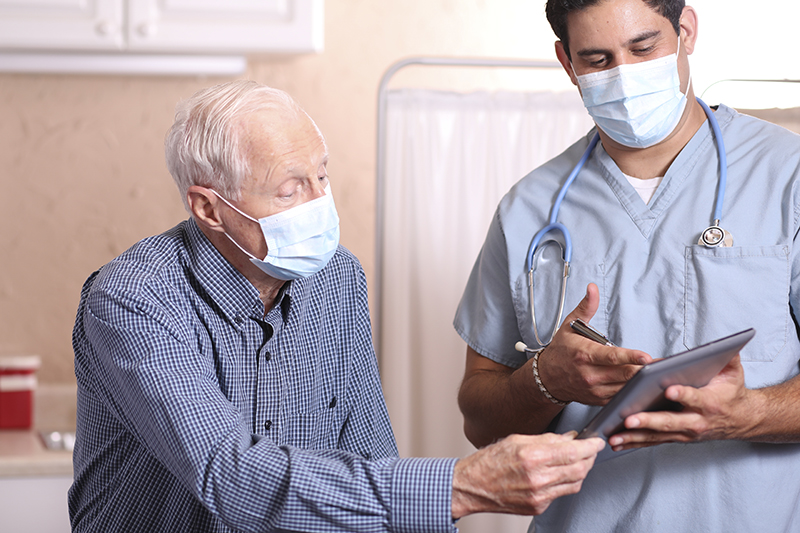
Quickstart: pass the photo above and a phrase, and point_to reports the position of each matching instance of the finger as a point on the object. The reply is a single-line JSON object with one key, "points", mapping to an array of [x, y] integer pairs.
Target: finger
{"points": [[612, 356], [587, 307], [549, 478], [687, 396], [575, 451], [642, 439], [660, 426], [658, 421], [547, 495]]}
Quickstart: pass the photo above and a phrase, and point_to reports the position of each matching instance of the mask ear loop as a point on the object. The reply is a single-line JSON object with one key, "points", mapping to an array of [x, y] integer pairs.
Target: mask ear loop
{"points": [[245, 215]]}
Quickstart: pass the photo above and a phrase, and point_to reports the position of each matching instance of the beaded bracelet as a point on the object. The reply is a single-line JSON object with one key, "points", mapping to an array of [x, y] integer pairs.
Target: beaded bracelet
{"points": [[538, 379]]}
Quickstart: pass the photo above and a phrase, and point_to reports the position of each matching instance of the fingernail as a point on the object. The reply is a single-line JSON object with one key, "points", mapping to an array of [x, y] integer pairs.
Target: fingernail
{"points": [[633, 423], [615, 441]]}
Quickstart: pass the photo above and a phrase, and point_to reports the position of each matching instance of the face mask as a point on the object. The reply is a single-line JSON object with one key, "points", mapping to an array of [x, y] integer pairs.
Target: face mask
{"points": [[638, 105], [300, 241]]}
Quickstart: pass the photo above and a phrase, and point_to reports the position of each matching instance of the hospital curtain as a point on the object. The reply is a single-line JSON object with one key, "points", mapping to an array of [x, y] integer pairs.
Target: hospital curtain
{"points": [[449, 159]]}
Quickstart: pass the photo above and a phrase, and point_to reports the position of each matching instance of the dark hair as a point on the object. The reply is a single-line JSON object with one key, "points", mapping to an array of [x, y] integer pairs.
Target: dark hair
{"points": [[557, 11]]}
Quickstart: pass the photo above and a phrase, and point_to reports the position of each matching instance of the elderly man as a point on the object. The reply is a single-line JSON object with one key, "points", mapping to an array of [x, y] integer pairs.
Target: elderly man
{"points": [[664, 273], [226, 376]]}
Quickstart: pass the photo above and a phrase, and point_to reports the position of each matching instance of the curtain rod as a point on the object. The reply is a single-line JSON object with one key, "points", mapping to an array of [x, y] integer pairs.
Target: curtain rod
{"points": [[381, 152], [740, 80]]}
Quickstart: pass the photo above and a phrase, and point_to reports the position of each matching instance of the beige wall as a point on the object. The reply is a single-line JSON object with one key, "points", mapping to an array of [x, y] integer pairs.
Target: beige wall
{"points": [[81, 157]]}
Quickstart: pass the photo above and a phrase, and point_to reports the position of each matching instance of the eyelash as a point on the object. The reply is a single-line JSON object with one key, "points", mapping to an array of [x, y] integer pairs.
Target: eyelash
{"points": [[639, 51]]}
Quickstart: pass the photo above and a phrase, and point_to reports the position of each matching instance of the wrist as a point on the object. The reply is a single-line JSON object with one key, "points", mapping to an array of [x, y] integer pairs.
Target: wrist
{"points": [[754, 416], [464, 501], [537, 377]]}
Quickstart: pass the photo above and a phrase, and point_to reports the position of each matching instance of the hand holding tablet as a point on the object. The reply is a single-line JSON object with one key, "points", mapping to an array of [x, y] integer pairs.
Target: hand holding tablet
{"points": [[645, 391]]}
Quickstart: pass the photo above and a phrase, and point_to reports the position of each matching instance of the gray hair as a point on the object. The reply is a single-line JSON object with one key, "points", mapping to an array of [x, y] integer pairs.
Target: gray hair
{"points": [[202, 147]]}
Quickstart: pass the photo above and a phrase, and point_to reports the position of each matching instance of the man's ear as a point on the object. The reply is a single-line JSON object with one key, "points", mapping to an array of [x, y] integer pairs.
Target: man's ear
{"points": [[688, 26], [561, 54], [204, 205]]}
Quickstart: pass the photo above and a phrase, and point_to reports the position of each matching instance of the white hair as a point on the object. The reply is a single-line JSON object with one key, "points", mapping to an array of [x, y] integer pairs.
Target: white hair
{"points": [[202, 147]]}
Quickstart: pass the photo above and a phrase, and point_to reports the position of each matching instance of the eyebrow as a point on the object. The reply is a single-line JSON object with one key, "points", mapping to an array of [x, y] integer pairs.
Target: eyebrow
{"points": [[298, 168], [636, 40]]}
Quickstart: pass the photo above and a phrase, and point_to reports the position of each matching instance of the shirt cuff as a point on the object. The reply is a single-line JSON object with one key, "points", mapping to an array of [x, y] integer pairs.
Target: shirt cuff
{"points": [[422, 493]]}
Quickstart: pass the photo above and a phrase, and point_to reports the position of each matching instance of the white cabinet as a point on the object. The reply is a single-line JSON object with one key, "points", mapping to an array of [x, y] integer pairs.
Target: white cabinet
{"points": [[226, 25], [162, 26], [61, 24]]}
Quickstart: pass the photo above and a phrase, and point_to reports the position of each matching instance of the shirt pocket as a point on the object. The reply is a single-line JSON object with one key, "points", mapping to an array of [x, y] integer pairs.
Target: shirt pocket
{"points": [[731, 289], [317, 430]]}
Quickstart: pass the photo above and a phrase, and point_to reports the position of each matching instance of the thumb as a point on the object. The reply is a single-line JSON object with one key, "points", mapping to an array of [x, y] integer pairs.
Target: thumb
{"points": [[587, 307]]}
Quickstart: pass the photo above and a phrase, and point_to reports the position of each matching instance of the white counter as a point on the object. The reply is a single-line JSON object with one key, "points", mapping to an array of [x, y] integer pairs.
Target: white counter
{"points": [[23, 454]]}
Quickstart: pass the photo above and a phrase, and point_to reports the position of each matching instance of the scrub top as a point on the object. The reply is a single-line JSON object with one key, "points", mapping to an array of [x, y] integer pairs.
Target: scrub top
{"points": [[662, 293]]}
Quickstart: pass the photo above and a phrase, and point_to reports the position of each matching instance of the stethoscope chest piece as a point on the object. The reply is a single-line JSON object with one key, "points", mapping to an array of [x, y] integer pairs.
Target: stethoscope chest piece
{"points": [[715, 237]]}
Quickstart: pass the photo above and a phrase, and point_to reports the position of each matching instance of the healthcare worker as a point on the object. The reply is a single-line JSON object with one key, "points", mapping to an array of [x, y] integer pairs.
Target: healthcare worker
{"points": [[640, 271]]}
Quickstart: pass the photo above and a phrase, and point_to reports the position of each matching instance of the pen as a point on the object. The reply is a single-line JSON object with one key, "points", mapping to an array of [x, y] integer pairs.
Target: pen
{"points": [[589, 332]]}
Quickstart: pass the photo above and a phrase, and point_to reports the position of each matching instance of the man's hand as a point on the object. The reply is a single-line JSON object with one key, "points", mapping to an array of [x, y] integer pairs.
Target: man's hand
{"points": [[574, 368], [723, 409], [522, 474]]}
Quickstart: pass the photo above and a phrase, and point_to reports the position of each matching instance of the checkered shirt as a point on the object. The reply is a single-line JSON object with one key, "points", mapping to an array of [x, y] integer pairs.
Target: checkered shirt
{"points": [[198, 412]]}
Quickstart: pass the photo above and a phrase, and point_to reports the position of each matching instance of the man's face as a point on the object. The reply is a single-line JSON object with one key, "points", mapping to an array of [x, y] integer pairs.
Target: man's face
{"points": [[616, 32], [288, 160]]}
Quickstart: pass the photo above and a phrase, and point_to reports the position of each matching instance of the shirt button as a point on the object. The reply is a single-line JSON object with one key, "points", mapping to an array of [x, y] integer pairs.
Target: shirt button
{"points": [[238, 320], [267, 356], [267, 425]]}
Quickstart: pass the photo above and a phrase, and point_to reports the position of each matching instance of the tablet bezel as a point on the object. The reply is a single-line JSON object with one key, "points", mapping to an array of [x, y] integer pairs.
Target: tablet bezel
{"points": [[645, 390]]}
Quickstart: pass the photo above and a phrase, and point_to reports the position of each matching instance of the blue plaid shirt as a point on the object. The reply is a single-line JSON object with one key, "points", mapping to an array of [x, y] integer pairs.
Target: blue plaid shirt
{"points": [[197, 412]]}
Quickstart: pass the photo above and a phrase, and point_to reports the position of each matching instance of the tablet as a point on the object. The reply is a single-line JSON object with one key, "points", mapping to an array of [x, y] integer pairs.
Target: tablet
{"points": [[645, 390]]}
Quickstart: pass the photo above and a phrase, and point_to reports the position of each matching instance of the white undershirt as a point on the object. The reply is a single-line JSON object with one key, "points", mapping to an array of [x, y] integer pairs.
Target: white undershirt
{"points": [[645, 188]]}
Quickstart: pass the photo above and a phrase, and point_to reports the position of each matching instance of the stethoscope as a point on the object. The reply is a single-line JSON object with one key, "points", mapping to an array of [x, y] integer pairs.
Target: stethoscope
{"points": [[713, 236]]}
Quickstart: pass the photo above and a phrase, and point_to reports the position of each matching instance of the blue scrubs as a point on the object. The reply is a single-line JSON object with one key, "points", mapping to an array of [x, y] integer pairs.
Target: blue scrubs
{"points": [[662, 293]]}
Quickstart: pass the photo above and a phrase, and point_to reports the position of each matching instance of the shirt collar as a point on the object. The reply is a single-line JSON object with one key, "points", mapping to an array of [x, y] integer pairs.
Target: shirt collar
{"points": [[227, 287], [230, 291]]}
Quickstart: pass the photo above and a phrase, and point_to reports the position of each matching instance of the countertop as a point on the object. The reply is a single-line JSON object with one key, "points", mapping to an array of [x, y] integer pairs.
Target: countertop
{"points": [[23, 454]]}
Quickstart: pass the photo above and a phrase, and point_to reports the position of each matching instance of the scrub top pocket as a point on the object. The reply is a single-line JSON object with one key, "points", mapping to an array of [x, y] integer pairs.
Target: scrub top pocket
{"points": [[731, 289]]}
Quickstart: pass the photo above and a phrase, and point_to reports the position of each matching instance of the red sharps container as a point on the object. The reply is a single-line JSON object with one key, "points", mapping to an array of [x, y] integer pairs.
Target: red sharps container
{"points": [[17, 385]]}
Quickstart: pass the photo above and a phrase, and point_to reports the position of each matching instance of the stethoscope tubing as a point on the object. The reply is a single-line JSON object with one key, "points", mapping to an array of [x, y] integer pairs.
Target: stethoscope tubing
{"points": [[555, 226], [723, 161]]}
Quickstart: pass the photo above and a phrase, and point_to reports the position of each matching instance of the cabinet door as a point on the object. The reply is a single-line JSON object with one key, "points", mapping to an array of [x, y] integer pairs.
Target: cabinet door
{"points": [[60, 24], [224, 26]]}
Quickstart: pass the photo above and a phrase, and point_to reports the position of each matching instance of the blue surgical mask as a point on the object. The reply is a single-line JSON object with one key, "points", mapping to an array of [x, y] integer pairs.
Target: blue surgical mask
{"points": [[300, 241], [638, 105]]}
